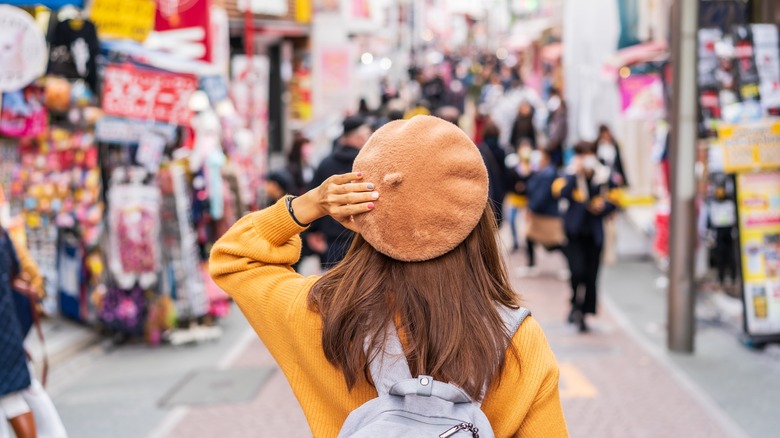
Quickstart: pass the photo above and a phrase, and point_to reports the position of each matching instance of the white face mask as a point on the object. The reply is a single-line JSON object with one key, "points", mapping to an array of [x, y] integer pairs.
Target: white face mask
{"points": [[590, 162], [554, 103], [607, 152]]}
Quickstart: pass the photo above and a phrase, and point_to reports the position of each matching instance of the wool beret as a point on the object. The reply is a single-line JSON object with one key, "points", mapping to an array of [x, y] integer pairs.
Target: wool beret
{"points": [[433, 188]]}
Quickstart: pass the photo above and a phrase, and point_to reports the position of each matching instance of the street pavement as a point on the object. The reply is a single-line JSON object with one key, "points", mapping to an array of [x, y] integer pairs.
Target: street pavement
{"points": [[616, 381]]}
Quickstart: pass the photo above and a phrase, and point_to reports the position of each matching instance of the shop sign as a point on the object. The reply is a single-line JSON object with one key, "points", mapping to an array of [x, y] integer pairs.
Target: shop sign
{"points": [[264, 7], [182, 28], [130, 19], [136, 93], [129, 131], [758, 198], [750, 146], [23, 53]]}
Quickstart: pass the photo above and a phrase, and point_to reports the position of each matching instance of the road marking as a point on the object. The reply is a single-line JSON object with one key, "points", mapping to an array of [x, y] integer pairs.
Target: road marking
{"points": [[574, 384]]}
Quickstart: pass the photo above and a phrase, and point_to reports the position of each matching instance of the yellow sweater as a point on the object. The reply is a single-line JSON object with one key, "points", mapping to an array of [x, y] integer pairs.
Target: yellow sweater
{"points": [[251, 262]]}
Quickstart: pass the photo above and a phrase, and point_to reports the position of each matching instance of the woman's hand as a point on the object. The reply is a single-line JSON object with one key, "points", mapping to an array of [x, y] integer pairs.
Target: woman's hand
{"points": [[340, 196]]}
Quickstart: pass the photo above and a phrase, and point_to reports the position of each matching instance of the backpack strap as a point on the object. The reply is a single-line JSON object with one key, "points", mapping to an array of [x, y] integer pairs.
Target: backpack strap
{"points": [[513, 319], [390, 366]]}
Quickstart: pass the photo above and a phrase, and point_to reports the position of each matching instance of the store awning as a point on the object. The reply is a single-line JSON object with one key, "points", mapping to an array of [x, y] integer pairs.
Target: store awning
{"points": [[647, 52]]}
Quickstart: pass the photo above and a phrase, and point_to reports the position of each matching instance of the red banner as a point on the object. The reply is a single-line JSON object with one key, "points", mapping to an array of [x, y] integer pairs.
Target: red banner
{"points": [[184, 25], [137, 93]]}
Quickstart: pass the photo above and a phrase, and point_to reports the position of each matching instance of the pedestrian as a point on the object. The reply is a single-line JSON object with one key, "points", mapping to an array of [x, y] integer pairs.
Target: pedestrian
{"points": [[721, 215], [519, 168], [338, 238], [495, 156], [28, 292], [587, 187], [523, 127], [14, 375], [424, 267], [557, 126], [608, 152], [544, 225], [298, 165]]}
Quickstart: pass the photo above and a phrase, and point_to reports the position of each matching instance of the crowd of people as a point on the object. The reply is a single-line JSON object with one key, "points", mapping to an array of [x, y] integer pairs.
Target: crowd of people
{"points": [[557, 197]]}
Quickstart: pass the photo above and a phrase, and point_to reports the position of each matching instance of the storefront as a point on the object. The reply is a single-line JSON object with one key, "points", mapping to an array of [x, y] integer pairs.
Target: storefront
{"points": [[122, 169]]}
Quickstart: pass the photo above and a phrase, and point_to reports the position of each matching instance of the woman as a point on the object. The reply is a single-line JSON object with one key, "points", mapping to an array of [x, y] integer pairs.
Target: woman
{"points": [[588, 189], [425, 258], [608, 152], [14, 374]]}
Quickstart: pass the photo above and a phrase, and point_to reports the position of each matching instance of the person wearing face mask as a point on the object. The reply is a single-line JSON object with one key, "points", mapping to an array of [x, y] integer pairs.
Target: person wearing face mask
{"points": [[557, 126], [588, 189], [608, 152]]}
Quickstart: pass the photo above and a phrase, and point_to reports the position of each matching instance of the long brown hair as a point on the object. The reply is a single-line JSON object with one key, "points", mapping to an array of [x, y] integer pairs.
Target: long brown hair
{"points": [[445, 309]]}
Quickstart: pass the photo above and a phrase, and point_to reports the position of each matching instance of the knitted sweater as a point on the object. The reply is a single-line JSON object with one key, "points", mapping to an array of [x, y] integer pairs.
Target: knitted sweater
{"points": [[251, 262]]}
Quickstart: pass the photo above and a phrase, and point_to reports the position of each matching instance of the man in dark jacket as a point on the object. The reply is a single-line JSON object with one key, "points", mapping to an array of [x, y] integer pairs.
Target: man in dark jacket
{"points": [[338, 238], [588, 189]]}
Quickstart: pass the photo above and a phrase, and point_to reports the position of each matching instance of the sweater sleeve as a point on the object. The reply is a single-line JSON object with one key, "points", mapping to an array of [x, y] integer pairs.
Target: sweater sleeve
{"points": [[545, 417], [252, 263]]}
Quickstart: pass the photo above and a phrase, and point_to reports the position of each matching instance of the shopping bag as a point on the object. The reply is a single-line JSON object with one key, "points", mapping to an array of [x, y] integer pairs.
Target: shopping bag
{"points": [[545, 230]]}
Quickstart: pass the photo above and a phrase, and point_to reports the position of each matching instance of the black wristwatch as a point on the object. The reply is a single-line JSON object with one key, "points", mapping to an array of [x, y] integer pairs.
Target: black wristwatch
{"points": [[288, 201]]}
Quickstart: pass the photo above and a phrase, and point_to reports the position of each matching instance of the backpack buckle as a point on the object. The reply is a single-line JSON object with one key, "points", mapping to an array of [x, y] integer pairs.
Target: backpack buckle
{"points": [[424, 385]]}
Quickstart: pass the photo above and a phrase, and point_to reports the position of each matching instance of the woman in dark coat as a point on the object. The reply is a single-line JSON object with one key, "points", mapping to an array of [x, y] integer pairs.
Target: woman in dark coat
{"points": [[14, 374]]}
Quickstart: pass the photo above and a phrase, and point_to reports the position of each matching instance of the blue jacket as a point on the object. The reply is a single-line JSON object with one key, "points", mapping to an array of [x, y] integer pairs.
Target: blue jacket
{"points": [[578, 220], [540, 192]]}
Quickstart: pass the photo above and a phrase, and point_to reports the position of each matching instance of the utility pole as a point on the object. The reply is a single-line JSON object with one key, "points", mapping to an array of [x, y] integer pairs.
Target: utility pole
{"points": [[682, 237]]}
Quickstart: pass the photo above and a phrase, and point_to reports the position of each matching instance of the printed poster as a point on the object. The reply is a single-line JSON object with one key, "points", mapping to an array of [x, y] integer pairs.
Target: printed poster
{"points": [[750, 146], [132, 92], [642, 96], [182, 28], [758, 198]]}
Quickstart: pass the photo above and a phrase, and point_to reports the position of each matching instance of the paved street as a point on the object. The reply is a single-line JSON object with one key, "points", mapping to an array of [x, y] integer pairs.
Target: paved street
{"points": [[615, 380]]}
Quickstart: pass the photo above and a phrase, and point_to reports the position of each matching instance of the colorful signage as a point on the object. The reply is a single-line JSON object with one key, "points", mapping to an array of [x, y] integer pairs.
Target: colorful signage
{"points": [[23, 52], [182, 28], [130, 19], [132, 92], [750, 146], [758, 197]]}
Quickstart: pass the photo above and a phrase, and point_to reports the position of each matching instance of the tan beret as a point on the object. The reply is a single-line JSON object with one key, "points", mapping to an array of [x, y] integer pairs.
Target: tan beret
{"points": [[433, 188]]}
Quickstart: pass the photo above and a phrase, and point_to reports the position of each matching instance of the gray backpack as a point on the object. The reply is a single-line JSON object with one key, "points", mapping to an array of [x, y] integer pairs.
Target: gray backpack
{"points": [[421, 407]]}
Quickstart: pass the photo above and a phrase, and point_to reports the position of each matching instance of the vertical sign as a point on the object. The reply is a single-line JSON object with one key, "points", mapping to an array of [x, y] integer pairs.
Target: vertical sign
{"points": [[758, 197]]}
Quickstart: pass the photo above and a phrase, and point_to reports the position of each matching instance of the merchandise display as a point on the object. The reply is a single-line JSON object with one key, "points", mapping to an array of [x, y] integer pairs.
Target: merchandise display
{"points": [[119, 197]]}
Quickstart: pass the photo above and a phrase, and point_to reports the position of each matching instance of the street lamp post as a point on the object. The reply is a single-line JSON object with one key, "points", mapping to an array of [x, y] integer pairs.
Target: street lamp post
{"points": [[682, 238]]}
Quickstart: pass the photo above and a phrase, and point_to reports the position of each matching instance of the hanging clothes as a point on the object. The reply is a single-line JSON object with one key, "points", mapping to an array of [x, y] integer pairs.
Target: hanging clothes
{"points": [[74, 49]]}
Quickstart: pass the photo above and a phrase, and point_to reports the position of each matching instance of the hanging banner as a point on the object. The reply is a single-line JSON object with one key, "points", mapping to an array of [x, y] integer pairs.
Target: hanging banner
{"points": [[130, 19], [758, 198], [750, 146], [129, 131], [132, 92], [182, 28], [23, 52]]}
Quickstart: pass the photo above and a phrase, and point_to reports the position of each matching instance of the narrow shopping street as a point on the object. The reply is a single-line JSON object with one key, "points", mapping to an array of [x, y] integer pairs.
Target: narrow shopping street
{"points": [[616, 381]]}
